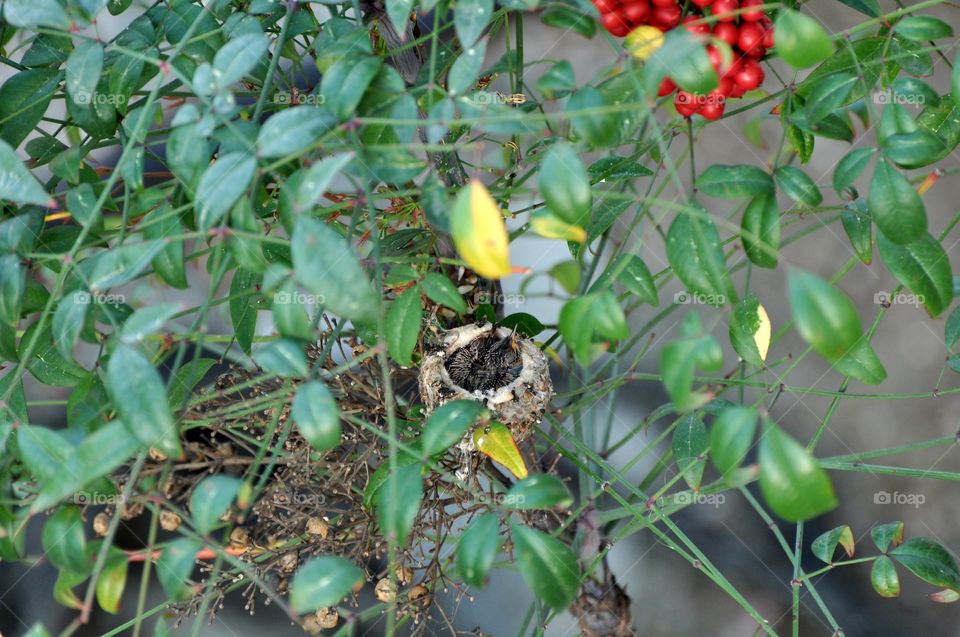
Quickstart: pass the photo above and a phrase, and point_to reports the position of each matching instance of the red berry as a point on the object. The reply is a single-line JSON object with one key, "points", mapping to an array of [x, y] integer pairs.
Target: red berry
{"points": [[663, 3], [712, 110], [721, 7], [726, 31], [666, 87], [755, 14], [717, 61], [703, 4], [605, 6], [667, 16], [615, 24], [751, 39], [750, 75], [767, 33], [703, 28], [637, 12], [725, 87], [737, 91], [686, 103]]}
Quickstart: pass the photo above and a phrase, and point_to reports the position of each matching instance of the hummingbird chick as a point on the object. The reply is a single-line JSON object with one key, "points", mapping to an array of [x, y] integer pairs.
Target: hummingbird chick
{"points": [[486, 363]]}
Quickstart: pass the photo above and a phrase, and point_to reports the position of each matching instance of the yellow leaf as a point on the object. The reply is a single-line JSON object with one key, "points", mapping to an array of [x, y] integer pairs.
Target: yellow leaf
{"points": [[551, 226], [762, 336], [643, 41], [479, 232], [496, 442]]}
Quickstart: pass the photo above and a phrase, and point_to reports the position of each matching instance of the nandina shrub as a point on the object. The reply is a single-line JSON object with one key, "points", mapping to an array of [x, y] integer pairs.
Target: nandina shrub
{"points": [[256, 255]]}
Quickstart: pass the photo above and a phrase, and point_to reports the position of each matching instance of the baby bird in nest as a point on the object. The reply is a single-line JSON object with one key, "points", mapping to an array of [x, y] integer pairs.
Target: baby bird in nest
{"points": [[486, 363]]}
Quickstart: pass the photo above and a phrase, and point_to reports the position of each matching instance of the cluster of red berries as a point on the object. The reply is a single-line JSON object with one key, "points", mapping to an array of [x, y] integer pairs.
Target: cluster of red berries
{"points": [[749, 34]]}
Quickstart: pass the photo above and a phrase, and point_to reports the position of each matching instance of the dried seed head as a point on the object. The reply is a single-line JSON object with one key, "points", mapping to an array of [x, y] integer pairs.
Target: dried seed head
{"points": [[328, 617], [169, 521], [419, 594], [156, 454], [101, 524], [317, 526], [289, 561], [404, 574], [239, 537], [386, 591]]}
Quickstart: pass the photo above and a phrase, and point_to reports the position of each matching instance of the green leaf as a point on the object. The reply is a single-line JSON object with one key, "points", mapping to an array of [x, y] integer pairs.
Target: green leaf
{"points": [[584, 108], [923, 267], [399, 13], [883, 576], [539, 491], [590, 320], [731, 437], [237, 58], [560, 17], [68, 320], [98, 455], [403, 325], [24, 99], [315, 413], [683, 58], [158, 226], [557, 81], [292, 130], [13, 410], [477, 548], [635, 277], [800, 40], [929, 561], [36, 13], [175, 565], [690, 444], [886, 535], [862, 363], [42, 450], [951, 331], [324, 263], [548, 566], [679, 359], [895, 205], [791, 479], [914, 149], [923, 27], [694, 251], [761, 230], [211, 499], [45, 363], [447, 425], [470, 18], [466, 68], [113, 579], [140, 398], [221, 185], [345, 83], [440, 289], [84, 67], [317, 179], [850, 167], [825, 317], [526, 325], [120, 264], [186, 377], [282, 357], [856, 223], [243, 307], [826, 544], [322, 582], [371, 494], [17, 184], [64, 540], [866, 7], [828, 95], [564, 185], [147, 321], [734, 182], [13, 285], [399, 502], [798, 186]]}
